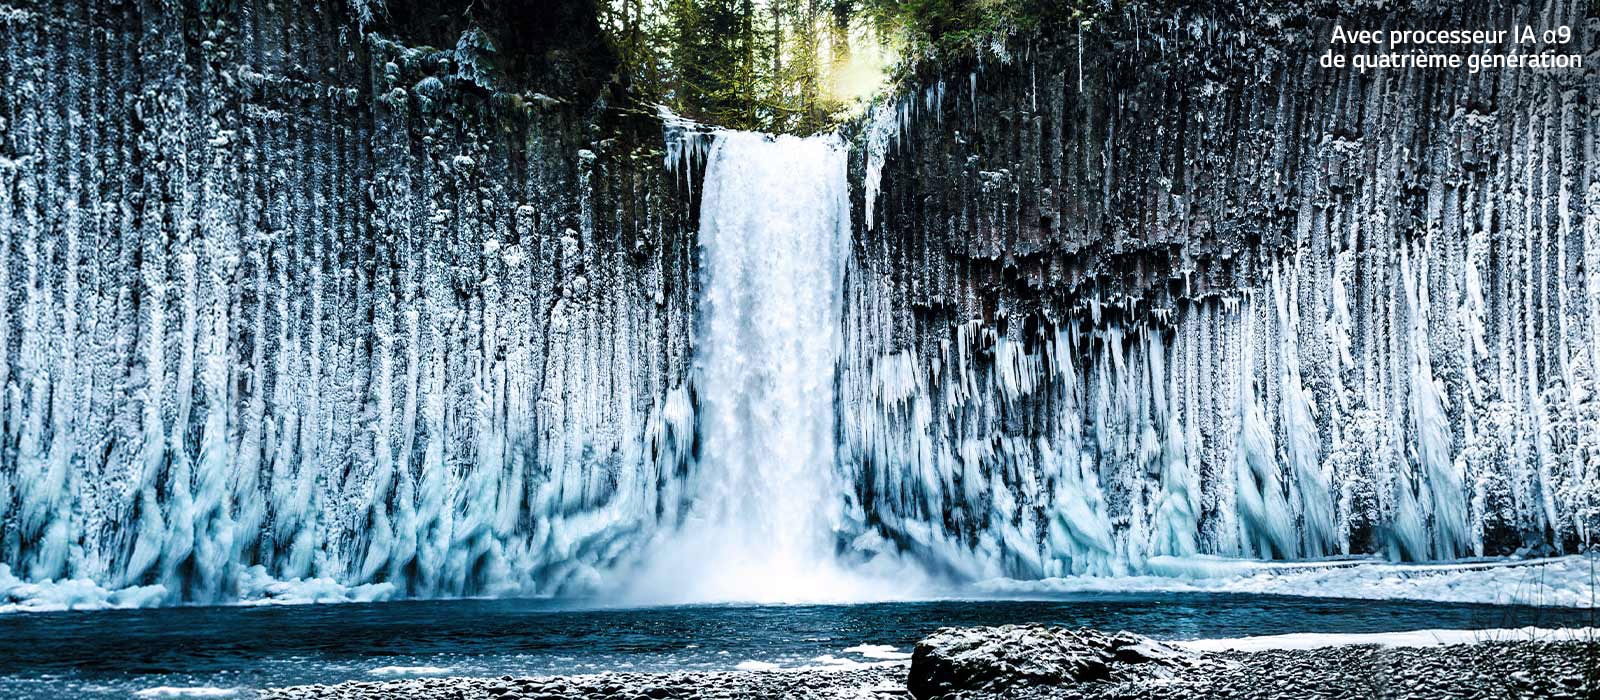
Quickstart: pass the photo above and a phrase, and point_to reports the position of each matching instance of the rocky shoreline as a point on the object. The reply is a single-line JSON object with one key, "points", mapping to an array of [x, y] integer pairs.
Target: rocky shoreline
{"points": [[1031, 662]]}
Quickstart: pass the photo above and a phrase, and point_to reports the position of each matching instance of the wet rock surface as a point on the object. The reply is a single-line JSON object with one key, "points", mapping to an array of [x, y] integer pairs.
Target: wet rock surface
{"points": [[1518, 669], [995, 658]]}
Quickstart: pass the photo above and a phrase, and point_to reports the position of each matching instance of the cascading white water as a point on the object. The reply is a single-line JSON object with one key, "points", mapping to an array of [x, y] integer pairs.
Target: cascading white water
{"points": [[774, 223], [773, 227], [774, 230]]}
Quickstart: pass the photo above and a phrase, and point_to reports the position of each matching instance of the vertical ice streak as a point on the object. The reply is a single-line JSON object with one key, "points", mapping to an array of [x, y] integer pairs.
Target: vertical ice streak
{"points": [[1309, 484], [1438, 492]]}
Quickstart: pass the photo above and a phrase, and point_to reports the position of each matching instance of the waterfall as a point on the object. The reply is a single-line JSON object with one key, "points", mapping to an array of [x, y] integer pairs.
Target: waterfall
{"points": [[773, 225], [774, 232]]}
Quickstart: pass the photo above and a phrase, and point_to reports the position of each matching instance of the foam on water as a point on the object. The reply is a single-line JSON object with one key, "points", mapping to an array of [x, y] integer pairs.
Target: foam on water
{"points": [[410, 671], [187, 692]]}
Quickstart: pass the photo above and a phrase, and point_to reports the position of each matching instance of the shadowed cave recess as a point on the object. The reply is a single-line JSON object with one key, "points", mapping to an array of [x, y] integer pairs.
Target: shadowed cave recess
{"points": [[410, 299]]}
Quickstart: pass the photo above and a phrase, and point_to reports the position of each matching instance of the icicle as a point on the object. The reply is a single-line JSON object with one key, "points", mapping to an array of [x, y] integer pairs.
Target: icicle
{"points": [[882, 129]]}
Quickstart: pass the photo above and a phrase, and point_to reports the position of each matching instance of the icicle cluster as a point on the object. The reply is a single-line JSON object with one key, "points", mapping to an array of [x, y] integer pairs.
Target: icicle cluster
{"points": [[1092, 447]]}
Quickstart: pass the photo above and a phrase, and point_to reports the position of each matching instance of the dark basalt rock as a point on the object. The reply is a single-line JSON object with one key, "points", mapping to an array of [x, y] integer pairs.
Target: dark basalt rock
{"points": [[994, 658]]}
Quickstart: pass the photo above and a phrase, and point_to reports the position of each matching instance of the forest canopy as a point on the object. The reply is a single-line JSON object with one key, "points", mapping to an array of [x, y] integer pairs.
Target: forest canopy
{"points": [[795, 65]]}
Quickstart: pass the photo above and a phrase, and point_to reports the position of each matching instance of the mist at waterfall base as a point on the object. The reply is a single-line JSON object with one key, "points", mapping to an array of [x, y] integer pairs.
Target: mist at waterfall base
{"points": [[774, 232]]}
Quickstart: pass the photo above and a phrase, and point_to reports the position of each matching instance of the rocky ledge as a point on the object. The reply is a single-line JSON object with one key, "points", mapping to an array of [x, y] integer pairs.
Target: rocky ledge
{"points": [[998, 658], [1034, 662]]}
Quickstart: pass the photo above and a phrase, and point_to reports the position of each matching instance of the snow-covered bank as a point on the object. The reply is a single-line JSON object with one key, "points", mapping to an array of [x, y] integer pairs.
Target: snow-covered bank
{"points": [[1414, 638], [1564, 581]]}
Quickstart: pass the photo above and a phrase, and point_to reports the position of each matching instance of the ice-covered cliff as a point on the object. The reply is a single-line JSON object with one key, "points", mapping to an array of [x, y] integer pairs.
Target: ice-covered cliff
{"points": [[277, 292], [1166, 286], [287, 295]]}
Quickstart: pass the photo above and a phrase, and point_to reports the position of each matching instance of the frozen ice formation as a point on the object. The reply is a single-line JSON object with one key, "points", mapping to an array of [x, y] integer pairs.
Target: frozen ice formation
{"points": [[1104, 444], [265, 335], [1200, 301]]}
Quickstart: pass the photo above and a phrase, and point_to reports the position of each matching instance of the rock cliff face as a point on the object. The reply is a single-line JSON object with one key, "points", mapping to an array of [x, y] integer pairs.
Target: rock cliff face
{"points": [[281, 286], [1168, 287], [286, 293]]}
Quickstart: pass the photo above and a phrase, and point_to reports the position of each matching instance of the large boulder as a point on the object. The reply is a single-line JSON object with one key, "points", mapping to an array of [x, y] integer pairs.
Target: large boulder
{"points": [[994, 658]]}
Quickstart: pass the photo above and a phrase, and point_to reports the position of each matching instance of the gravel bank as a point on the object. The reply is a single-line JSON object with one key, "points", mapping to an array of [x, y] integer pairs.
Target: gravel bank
{"points": [[868, 683], [1518, 669]]}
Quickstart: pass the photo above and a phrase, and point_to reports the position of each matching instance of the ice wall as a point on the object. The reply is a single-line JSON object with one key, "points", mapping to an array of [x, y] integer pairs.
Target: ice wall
{"points": [[283, 299], [1174, 289]]}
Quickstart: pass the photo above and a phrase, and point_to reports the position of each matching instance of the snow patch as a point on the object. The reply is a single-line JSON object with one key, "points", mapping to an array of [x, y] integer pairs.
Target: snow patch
{"points": [[878, 651], [831, 661], [826, 662], [1415, 638], [1558, 582]]}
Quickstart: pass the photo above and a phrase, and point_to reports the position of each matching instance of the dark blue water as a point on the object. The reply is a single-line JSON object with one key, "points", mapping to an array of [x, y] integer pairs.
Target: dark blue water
{"points": [[115, 653]]}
